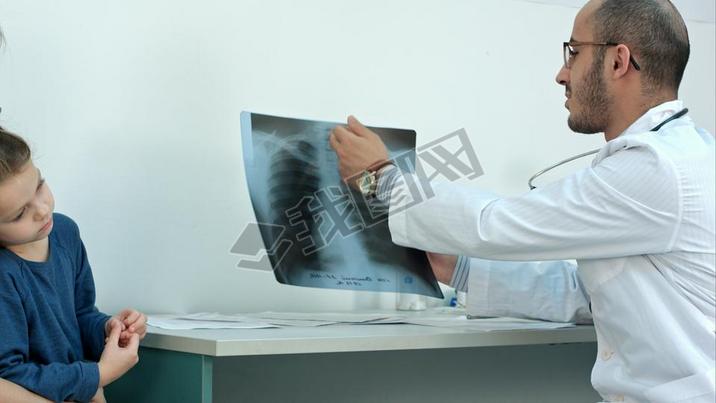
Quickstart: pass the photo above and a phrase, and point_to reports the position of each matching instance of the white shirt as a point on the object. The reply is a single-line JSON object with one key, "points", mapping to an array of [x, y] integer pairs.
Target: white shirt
{"points": [[639, 222]]}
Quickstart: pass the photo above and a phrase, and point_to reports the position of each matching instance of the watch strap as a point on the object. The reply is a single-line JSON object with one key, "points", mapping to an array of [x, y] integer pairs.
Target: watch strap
{"points": [[375, 167]]}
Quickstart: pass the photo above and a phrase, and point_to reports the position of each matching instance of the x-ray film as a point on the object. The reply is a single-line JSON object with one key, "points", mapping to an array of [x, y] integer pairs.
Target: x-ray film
{"points": [[318, 232]]}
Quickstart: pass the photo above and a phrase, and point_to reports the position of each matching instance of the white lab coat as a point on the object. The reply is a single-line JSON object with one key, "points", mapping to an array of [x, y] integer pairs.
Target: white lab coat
{"points": [[639, 222]]}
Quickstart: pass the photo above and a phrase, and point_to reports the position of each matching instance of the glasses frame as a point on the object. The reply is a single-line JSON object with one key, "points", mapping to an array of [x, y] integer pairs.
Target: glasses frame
{"points": [[567, 51]]}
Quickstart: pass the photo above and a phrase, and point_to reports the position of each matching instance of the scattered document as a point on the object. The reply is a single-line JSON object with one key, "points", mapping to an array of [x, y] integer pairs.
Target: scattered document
{"points": [[275, 320], [174, 322], [446, 318], [333, 317], [487, 324]]}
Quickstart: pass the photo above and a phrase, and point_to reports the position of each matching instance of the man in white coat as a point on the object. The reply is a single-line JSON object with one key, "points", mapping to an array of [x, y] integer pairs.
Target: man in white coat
{"points": [[639, 221]]}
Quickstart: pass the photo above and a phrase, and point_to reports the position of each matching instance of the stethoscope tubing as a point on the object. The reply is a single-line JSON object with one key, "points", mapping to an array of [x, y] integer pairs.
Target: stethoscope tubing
{"points": [[570, 159]]}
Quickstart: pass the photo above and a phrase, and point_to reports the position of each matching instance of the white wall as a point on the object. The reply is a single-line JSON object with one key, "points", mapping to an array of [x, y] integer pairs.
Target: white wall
{"points": [[132, 108]]}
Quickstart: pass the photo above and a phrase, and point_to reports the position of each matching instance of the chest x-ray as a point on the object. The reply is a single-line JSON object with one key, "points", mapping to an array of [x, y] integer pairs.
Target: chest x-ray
{"points": [[317, 231]]}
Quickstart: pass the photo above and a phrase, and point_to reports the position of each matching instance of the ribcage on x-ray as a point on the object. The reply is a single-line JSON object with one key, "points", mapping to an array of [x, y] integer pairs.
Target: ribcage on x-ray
{"points": [[375, 235], [376, 242], [294, 175]]}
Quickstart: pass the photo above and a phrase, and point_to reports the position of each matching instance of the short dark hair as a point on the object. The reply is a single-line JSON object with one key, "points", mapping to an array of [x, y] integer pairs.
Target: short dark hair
{"points": [[655, 33]]}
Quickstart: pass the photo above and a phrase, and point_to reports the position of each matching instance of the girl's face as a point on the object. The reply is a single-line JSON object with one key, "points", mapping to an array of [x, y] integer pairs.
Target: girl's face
{"points": [[26, 206]]}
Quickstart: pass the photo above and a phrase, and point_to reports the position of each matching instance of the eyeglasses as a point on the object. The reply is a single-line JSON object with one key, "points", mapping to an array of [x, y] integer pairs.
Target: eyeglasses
{"points": [[569, 52]]}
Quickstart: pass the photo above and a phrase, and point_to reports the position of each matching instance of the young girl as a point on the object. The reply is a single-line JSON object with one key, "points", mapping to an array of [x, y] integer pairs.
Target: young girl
{"points": [[53, 340]]}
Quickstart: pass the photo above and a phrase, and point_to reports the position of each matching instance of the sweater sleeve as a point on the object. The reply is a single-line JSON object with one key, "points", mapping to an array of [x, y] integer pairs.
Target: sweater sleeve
{"points": [[90, 319], [58, 382]]}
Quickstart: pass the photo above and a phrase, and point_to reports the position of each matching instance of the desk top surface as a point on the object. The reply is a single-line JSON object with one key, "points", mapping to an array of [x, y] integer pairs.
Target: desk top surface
{"points": [[351, 338]]}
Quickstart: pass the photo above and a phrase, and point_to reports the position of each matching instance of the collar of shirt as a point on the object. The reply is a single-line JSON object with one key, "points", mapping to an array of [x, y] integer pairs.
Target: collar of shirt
{"points": [[652, 118]]}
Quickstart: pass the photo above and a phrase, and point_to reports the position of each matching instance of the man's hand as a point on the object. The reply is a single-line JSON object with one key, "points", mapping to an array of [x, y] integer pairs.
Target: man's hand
{"points": [[443, 266], [357, 148], [116, 360], [132, 321]]}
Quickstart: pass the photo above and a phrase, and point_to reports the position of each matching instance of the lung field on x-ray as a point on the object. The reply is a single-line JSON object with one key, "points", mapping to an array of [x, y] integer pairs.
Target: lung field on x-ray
{"points": [[295, 187], [294, 177]]}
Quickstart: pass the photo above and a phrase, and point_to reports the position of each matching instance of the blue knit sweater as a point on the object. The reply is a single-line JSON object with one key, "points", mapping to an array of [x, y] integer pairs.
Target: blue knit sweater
{"points": [[51, 333]]}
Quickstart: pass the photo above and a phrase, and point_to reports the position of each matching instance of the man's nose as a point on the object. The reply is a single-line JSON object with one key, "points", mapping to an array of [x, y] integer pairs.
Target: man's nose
{"points": [[562, 76]]}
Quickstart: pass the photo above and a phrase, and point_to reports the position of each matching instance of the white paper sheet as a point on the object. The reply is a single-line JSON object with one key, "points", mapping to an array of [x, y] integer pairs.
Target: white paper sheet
{"points": [[487, 324], [334, 317], [276, 320], [174, 322], [437, 317]]}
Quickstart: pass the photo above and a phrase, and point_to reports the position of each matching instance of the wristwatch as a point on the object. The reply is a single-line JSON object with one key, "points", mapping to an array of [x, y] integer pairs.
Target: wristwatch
{"points": [[367, 182]]}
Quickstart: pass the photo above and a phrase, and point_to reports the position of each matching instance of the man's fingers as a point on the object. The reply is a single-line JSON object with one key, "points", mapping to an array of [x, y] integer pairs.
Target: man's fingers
{"points": [[332, 134], [333, 141], [357, 127], [342, 134]]}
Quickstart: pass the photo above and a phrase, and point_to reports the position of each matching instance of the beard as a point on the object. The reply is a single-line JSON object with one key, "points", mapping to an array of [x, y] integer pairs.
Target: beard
{"points": [[591, 96]]}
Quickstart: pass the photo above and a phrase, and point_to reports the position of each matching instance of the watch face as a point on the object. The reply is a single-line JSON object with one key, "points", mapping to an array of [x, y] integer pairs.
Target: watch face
{"points": [[365, 183]]}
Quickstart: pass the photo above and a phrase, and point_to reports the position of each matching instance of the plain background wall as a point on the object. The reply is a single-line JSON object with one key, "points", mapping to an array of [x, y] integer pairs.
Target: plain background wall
{"points": [[132, 109]]}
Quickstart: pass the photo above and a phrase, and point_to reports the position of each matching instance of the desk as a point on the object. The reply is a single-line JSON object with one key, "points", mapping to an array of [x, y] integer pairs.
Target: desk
{"points": [[361, 363]]}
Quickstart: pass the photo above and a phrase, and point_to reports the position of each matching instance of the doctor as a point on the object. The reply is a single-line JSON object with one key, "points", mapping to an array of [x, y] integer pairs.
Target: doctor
{"points": [[639, 221]]}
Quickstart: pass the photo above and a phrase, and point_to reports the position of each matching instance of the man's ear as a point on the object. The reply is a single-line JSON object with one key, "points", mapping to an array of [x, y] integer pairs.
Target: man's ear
{"points": [[620, 61]]}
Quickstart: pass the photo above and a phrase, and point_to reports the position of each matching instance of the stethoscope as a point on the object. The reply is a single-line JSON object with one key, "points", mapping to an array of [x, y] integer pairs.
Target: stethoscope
{"points": [[560, 163]]}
